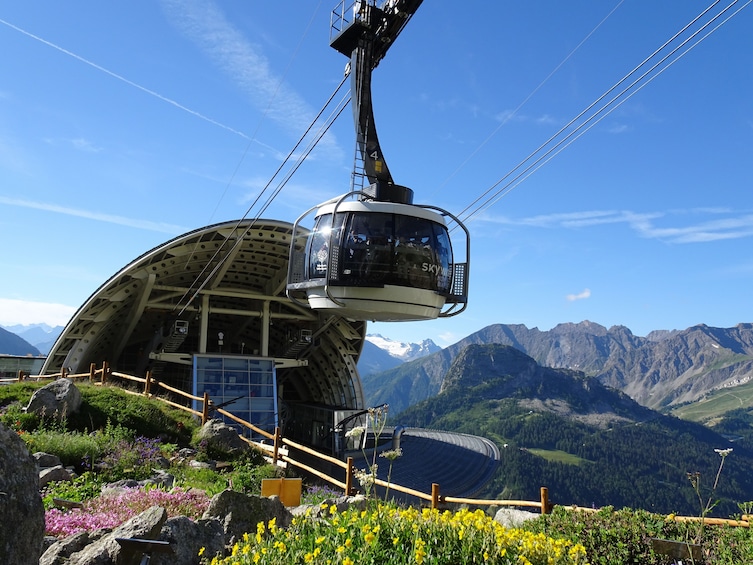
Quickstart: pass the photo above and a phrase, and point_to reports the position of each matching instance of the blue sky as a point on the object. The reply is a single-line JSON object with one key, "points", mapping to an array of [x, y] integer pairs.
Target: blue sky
{"points": [[123, 125]]}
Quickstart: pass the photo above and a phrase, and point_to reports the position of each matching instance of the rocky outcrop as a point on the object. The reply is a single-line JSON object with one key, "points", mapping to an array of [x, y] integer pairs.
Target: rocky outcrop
{"points": [[187, 538], [21, 506], [239, 513], [217, 436], [106, 550], [57, 399], [229, 516]]}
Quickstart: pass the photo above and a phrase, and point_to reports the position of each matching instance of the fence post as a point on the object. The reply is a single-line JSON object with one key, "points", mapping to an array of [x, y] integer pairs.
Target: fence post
{"points": [[205, 409], [63, 372], [92, 371], [105, 368], [278, 439], [20, 375], [544, 500], [434, 496], [349, 477], [147, 383]]}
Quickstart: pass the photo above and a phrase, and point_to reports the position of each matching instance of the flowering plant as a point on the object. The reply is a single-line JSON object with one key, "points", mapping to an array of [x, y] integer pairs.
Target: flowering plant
{"points": [[112, 510], [389, 534]]}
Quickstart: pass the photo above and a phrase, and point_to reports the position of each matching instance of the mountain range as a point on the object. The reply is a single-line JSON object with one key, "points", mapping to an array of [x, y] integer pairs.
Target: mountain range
{"points": [[661, 371], [591, 445], [381, 354], [36, 339]]}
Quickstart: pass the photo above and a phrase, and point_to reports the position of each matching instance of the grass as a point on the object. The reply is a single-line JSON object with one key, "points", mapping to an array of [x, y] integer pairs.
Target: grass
{"points": [[717, 403], [557, 456]]}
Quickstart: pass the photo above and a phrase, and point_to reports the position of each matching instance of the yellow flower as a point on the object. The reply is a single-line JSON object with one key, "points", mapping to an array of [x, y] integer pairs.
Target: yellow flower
{"points": [[369, 537], [201, 551], [348, 561], [320, 539], [348, 542]]}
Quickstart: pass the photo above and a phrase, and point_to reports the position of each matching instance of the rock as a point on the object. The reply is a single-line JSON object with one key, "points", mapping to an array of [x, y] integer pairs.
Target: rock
{"points": [[240, 513], [22, 531], [57, 399], [53, 474], [222, 438], [119, 487], [186, 453], [511, 518], [202, 464], [45, 460], [160, 478], [60, 551], [187, 537], [107, 551]]}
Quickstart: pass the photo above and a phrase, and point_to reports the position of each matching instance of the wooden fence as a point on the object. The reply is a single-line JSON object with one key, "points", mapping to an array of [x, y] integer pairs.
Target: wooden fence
{"points": [[278, 451]]}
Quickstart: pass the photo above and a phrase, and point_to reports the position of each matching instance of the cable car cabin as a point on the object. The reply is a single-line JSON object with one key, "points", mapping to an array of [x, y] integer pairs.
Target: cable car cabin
{"points": [[377, 261]]}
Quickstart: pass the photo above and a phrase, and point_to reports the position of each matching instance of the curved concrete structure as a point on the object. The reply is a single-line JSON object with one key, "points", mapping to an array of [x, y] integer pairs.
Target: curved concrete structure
{"points": [[216, 289]]}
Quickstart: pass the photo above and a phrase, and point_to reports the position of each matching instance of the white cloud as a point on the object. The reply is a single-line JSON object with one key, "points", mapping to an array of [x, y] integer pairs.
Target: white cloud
{"points": [[206, 25], [98, 216], [580, 296], [448, 338], [709, 227], [27, 312], [85, 145], [619, 128]]}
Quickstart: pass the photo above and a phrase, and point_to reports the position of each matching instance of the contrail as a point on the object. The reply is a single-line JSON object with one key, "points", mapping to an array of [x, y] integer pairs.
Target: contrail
{"points": [[125, 80]]}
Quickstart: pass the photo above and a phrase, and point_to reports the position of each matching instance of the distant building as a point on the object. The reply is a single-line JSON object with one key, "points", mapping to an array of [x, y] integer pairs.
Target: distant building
{"points": [[10, 365]]}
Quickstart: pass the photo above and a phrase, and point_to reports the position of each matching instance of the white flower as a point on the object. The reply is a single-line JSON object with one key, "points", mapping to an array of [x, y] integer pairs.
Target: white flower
{"points": [[392, 454], [355, 432], [724, 452]]}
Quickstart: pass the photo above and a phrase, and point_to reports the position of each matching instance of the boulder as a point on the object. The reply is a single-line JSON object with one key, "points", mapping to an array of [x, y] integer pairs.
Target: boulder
{"points": [[107, 551], [61, 550], [239, 513], [187, 537], [219, 437], [57, 399], [58, 473], [512, 518], [22, 531], [45, 460]]}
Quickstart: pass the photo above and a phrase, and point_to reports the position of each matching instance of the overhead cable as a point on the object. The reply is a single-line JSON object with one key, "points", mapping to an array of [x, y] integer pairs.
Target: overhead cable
{"points": [[604, 110]]}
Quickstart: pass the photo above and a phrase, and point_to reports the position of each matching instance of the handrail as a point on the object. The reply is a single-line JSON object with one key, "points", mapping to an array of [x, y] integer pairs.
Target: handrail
{"points": [[315, 453], [245, 424]]}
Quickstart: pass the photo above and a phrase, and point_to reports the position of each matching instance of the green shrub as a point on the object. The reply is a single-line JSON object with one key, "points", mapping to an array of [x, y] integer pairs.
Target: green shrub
{"points": [[143, 416], [86, 486], [247, 476], [208, 480], [14, 417], [73, 448], [624, 536]]}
